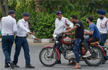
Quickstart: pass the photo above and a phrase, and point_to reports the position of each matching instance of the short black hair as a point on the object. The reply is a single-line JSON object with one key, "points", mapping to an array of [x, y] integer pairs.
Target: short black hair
{"points": [[74, 17], [90, 17]]}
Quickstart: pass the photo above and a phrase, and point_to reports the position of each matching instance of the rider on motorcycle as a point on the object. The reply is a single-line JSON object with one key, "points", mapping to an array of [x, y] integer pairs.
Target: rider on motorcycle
{"points": [[61, 24], [79, 33], [94, 32]]}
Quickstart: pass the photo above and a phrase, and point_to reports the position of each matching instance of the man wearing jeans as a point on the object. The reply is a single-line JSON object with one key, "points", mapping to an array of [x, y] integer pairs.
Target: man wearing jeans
{"points": [[79, 33], [95, 35], [8, 29], [21, 41], [102, 25]]}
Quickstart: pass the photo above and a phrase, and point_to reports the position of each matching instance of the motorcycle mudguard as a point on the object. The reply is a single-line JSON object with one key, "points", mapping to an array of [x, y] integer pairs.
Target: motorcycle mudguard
{"points": [[50, 46], [100, 48]]}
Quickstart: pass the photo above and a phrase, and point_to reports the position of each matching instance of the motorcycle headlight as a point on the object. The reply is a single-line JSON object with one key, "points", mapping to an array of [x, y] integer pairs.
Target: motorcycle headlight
{"points": [[55, 36], [56, 42]]}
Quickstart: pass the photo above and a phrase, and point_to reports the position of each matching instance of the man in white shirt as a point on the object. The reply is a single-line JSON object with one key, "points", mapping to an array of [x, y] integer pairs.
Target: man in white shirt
{"points": [[61, 24], [8, 29], [20, 41], [102, 25]]}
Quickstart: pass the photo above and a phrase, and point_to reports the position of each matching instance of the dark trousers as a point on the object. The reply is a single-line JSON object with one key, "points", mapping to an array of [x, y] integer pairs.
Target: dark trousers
{"points": [[58, 47], [21, 41], [103, 39], [102, 43], [7, 42], [76, 48], [87, 42]]}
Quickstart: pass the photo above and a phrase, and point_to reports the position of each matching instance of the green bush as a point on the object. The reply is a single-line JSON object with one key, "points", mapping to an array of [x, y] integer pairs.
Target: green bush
{"points": [[42, 12]]}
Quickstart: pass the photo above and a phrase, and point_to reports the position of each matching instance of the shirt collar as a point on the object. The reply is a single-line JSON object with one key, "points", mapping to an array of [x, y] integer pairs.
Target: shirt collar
{"points": [[61, 19], [103, 18], [10, 16], [23, 20]]}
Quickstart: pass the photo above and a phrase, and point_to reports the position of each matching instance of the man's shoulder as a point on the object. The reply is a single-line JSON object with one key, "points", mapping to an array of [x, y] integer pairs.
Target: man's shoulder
{"points": [[92, 25], [20, 20], [13, 19], [79, 22]]}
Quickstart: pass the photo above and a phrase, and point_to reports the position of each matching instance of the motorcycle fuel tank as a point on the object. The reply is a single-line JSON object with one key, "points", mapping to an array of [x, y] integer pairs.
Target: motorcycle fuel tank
{"points": [[67, 40]]}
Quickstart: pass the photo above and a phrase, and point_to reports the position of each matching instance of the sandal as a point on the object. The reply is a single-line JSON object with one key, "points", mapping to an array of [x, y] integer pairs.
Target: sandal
{"points": [[77, 67]]}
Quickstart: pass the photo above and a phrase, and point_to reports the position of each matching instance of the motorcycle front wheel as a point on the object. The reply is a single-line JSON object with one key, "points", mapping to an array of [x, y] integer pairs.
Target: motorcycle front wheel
{"points": [[96, 58], [45, 59]]}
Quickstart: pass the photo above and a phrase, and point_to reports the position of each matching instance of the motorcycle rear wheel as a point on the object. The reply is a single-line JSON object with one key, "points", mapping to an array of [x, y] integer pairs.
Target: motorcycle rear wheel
{"points": [[99, 56]]}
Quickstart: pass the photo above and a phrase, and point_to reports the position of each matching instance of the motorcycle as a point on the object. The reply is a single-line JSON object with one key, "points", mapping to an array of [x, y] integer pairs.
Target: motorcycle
{"points": [[49, 55]]}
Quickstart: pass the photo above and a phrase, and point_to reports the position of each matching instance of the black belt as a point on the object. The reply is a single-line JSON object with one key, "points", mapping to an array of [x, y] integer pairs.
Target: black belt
{"points": [[21, 37]]}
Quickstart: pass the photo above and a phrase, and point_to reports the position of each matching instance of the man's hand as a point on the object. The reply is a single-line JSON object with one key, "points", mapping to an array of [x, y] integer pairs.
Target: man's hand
{"points": [[37, 39], [30, 33], [68, 28], [63, 32], [84, 33], [69, 34]]}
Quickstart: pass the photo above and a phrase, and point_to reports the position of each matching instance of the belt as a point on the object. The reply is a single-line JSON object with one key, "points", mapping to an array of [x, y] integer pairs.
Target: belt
{"points": [[21, 36], [102, 33], [7, 34]]}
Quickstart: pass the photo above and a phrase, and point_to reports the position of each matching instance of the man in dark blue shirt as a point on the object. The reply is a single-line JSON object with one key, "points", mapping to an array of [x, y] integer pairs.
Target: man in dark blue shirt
{"points": [[94, 32]]}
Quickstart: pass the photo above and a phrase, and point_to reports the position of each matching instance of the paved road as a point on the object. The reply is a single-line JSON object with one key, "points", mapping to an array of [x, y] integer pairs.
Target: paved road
{"points": [[34, 52]]}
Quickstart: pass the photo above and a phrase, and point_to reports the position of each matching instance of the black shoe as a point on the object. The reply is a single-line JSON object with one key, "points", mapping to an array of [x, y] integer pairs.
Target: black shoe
{"points": [[58, 62], [16, 66], [11, 64], [29, 66], [7, 66]]}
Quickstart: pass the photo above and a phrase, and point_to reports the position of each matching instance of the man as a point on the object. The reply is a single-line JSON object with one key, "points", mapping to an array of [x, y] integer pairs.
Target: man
{"points": [[79, 33], [8, 29], [102, 24], [60, 26], [94, 32], [23, 29]]}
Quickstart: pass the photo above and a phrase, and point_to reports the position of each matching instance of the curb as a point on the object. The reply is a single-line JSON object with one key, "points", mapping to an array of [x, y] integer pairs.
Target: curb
{"points": [[41, 41]]}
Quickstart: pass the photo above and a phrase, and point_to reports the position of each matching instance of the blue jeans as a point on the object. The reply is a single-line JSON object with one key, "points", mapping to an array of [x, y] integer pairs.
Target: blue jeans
{"points": [[21, 41], [7, 42], [76, 48], [103, 39]]}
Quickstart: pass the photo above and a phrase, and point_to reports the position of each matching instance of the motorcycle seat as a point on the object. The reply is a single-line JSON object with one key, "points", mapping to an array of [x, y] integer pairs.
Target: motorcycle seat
{"points": [[91, 43]]}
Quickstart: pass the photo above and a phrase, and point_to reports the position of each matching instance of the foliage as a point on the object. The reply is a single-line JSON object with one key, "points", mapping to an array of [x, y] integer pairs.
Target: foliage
{"points": [[42, 12]]}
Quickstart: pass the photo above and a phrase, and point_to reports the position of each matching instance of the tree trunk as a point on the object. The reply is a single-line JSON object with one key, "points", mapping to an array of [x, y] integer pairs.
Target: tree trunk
{"points": [[6, 6], [1, 8]]}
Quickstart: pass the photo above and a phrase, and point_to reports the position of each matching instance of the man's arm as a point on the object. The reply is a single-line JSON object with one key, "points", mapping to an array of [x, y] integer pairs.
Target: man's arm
{"points": [[89, 33], [91, 30], [75, 27], [97, 24], [14, 26], [71, 33], [32, 36], [69, 23], [23, 27]]}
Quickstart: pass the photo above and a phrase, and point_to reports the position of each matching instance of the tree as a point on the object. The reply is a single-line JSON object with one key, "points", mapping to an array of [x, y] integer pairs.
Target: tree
{"points": [[1, 8], [4, 5]]}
